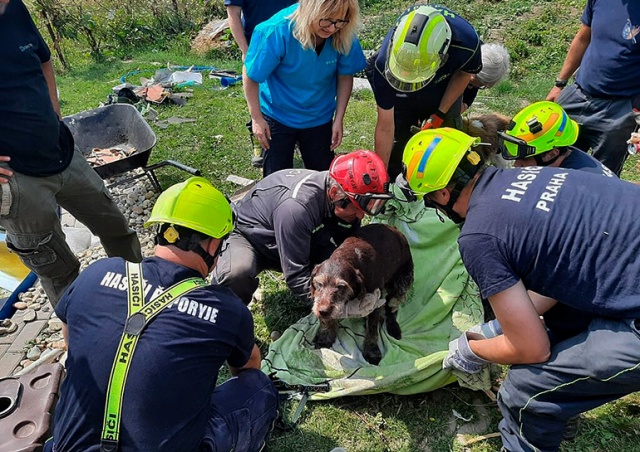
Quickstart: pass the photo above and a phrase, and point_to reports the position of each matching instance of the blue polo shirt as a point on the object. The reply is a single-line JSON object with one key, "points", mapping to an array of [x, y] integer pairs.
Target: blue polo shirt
{"points": [[255, 12], [30, 131], [578, 159], [463, 54], [611, 64], [567, 234], [298, 87]]}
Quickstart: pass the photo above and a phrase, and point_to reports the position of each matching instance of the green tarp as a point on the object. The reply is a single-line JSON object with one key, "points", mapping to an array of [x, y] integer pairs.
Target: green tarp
{"points": [[442, 303]]}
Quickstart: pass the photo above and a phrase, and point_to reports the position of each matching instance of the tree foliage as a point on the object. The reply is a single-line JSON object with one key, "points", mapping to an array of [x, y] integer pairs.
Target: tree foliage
{"points": [[108, 28]]}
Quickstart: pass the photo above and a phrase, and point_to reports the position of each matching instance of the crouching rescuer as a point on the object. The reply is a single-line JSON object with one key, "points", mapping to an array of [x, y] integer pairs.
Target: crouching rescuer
{"points": [[524, 235], [146, 342]]}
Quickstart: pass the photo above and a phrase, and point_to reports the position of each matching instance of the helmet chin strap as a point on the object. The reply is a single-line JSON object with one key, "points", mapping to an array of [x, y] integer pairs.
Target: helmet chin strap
{"points": [[540, 162], [466, 171]]}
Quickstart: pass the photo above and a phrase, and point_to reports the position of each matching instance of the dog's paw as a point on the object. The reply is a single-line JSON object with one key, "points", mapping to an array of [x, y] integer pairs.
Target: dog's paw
{"points": [[324, 339], [372, 354], [394, 330]]}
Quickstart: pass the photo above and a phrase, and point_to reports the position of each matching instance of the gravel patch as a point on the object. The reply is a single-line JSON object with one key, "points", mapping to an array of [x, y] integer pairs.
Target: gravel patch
{"points": [[135, 199]]}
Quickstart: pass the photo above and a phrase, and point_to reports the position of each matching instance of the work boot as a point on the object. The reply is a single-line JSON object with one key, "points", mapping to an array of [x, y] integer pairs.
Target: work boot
{"points": [[257, 156], [571, 430]]}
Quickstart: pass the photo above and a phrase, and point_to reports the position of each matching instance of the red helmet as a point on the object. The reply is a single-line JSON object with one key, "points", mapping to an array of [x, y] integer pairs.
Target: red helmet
{"points": [[363, 177]]}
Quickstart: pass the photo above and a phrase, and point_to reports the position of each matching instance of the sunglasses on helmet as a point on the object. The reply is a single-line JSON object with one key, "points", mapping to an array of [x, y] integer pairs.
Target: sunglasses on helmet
{"points": [[523, 150]]}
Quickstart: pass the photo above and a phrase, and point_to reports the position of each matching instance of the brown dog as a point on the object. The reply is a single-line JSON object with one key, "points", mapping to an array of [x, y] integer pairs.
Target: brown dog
{"points": [[486, 127], [375, 260]]}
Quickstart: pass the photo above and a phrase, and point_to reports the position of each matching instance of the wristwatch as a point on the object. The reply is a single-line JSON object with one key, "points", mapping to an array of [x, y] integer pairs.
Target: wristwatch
{"points": [[560, 83]]}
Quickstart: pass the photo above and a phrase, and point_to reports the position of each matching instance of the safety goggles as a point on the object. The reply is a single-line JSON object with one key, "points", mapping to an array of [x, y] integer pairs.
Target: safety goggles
{"points": [[523, 150], [370, 203], [337, 24]]}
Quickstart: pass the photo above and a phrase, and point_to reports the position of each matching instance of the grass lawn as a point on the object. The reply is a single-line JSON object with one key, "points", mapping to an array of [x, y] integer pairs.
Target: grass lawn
{"points": [[537, 34]]}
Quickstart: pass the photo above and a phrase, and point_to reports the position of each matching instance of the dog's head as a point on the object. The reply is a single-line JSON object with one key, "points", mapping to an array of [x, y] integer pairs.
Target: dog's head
{"points": [[334, 284], [486, 127]]}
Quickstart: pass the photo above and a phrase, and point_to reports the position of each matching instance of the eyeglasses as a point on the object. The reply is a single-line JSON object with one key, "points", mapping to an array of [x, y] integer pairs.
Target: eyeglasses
{"points": [[370, 203], [337, 24]]}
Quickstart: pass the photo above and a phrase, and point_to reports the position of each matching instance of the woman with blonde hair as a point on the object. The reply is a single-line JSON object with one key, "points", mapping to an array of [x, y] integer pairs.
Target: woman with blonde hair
{"points": [[298, 76]]}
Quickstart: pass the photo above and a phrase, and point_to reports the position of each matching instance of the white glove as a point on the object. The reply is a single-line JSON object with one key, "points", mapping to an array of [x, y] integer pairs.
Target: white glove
{"points": [[362, 308], [462, 358], [489, 330]]}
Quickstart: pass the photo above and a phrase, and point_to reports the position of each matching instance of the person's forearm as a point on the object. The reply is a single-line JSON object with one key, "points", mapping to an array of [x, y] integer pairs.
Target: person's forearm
{"points": [[50, 77], [345, 85], [384, 135], [255, 360], [458, 83], [576, 51], [251, 93], [500, 350], [234, 14], [541, 303]]}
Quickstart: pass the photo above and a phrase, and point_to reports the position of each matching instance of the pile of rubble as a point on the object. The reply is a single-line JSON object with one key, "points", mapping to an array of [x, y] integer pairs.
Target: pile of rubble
{"points": [[135, 199]]}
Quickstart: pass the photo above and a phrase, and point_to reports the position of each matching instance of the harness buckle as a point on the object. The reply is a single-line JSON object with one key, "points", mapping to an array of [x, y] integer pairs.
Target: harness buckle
{"points": [[135, 324], [108, 445]]}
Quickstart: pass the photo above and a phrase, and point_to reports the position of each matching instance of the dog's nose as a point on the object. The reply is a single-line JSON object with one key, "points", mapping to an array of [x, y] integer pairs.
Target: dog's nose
{"points": [[325, 311]]}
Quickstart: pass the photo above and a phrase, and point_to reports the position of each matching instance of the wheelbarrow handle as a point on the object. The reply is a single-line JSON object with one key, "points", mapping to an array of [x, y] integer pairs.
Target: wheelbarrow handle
{"points": [[179, 165], [184, 167]]}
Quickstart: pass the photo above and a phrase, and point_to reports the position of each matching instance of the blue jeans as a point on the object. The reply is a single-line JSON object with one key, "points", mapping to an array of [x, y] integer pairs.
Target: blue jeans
{"points": [[314, 143], [605, 125], [29, 214], [244, 411], [599, 365]]}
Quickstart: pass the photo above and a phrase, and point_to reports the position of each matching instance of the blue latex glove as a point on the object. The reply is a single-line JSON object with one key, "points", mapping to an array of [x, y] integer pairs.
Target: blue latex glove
{"points": [[489, 330], [462, 358]]}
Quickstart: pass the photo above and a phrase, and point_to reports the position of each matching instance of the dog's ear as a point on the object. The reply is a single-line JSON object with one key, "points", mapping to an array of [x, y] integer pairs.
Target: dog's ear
{"points": [[314, 272]]}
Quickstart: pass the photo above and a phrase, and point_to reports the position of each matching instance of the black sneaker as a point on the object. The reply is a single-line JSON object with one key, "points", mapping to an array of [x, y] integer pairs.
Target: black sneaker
{"points": [[571, 430]]}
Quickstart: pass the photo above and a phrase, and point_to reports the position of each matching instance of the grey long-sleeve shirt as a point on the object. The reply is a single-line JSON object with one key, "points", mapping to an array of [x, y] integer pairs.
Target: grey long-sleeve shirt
{"points": [[288, 219]]}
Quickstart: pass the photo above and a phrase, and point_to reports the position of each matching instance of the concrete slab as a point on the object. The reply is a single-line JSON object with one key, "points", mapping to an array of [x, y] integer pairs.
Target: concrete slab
{"points": [[8, 362], [28, 333], [360, 84]]}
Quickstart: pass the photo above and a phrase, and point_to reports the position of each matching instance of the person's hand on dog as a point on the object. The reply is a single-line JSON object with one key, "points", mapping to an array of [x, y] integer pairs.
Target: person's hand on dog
{"points": [[488, 330], [362, 308], [462, 358]]}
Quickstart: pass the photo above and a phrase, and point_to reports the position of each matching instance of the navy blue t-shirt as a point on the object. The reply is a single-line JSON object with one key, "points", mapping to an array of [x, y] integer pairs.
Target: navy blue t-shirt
{"points": [[463, 54], [611, 63], [570, 235], [255, 12], [167, 397], [30, 131], [580, 160]]}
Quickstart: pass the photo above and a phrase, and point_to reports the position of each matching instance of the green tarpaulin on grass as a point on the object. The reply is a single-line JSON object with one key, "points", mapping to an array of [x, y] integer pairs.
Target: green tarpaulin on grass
{"points": [[442, 303]]}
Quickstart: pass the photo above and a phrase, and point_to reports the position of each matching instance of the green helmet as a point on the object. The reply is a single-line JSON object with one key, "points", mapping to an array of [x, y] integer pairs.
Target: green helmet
{"points": [[537, 129], [194, 204], [417, 48], [431, 157]]}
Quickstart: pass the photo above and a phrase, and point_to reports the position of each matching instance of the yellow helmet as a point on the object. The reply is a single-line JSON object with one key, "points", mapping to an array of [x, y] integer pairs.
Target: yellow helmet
{"points": [[417, 49], [432, 156], [536, 129], [194, 204]]}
